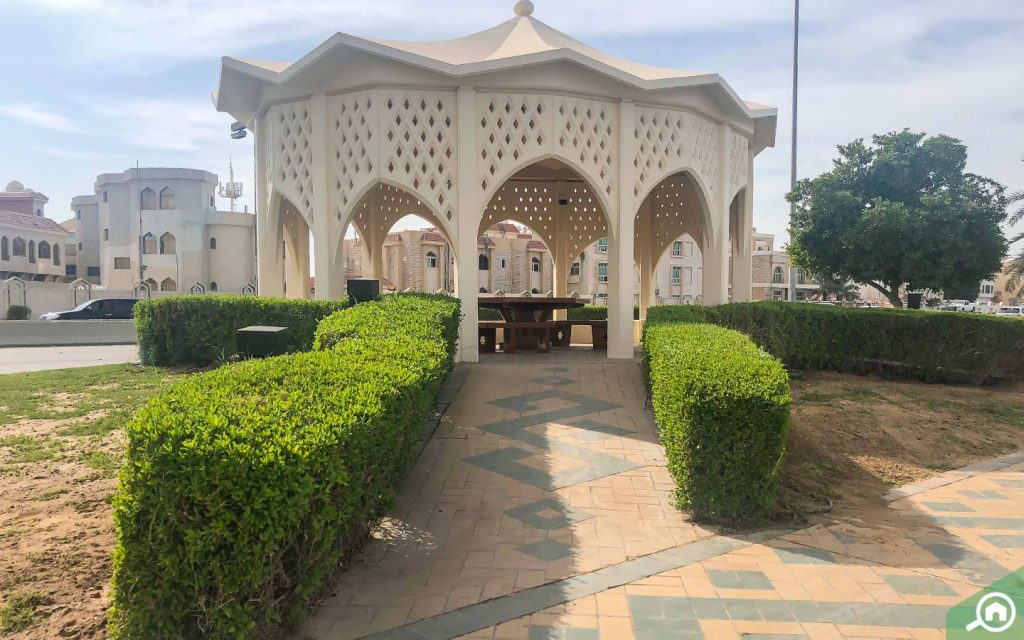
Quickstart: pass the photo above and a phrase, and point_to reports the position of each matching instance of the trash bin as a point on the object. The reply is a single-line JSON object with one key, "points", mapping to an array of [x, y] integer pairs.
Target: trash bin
{"points": [[260, 341], [363, 290]]}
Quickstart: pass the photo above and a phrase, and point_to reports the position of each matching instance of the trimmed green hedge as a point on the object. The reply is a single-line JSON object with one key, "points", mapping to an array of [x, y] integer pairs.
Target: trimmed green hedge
{"points": [[722, 409], [245, 488], [923, 345], [201, 329]]}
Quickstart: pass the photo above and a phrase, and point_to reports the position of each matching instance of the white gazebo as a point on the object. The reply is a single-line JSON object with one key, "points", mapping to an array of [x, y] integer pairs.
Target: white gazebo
{"points": [[519, 122]]}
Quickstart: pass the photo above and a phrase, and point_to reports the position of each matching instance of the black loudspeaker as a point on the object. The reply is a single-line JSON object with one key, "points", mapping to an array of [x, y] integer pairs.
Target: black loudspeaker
{"points": [[261, 341], [363, 290], [914, 300]]}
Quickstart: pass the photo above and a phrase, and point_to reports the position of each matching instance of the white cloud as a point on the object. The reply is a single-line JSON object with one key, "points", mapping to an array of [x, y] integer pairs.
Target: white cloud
{"points": [[38, 116]]}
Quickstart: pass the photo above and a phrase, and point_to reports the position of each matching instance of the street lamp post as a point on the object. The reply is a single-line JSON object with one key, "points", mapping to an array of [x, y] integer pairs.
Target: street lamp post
{"points": [[796, 77]]}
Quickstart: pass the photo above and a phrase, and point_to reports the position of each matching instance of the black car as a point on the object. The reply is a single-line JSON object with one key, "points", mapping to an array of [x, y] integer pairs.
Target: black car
{"points": [[99, 309]]}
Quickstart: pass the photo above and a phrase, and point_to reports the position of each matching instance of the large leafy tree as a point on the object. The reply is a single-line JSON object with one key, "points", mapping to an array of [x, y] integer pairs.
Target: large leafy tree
{"points": [[901, 211]]}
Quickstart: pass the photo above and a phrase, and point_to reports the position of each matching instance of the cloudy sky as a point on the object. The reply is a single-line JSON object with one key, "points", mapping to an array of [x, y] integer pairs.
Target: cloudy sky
{"points": [[92, 86]]}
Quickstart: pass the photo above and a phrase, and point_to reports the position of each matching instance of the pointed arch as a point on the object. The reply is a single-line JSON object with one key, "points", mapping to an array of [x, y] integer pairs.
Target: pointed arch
{"points": [[18, 247], [168, 284], [168, 244], [148, 200], [5, 250], [167, 198], [149, 244], [44, 250]]}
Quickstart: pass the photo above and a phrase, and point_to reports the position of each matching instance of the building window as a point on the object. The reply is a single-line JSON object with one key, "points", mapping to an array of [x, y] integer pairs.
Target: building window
{"points": [[71, 270], [166, 198], [147, 199], [431, 260], [987, 289], [104, 196], [153, 284], [484, 262], [688, 273], [122, 263], [106, 234], [777, 294], [44, 250], [688, 249], [800, 277], [677, 248], [31, 250], [92, 272], [535, 264], [56, 254], [801, 295], [677, 275], [168, 284], [79, 246], [213, 203], [5, 250], [213, 287], [574, 270], [148, 244], [602, 272], [602, 245], [777, 275], [213, 244], [503, 263], [78, 214], [168, 245], [18, 247]]}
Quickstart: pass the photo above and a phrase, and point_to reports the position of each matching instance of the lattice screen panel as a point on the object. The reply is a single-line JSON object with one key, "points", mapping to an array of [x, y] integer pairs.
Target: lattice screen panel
{"points": [[675, 209], [585, 132], [529, 203], [384, 205], [419, 143], [512, 127], [292, 155], [352, 121], [587, 221], [668, 141], [737, 162]]}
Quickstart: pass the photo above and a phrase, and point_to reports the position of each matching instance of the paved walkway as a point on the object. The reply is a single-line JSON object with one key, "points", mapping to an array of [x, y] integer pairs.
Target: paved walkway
{"points": [[541, 509], [22, 359]]}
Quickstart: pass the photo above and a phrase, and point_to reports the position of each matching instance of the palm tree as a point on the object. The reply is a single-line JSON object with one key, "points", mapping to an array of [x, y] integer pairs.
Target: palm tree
{"points": [[842, 291], [1016, 267]]}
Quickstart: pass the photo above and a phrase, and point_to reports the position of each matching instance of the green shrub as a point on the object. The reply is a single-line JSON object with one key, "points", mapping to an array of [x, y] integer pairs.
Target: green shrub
{"points": [[246, 487], [922, 345], [18, 312], [722, 409], [201, 329]]}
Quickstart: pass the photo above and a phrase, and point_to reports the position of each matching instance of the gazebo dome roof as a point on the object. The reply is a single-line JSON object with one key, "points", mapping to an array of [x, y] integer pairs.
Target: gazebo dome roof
{"points": [[522, 41]]}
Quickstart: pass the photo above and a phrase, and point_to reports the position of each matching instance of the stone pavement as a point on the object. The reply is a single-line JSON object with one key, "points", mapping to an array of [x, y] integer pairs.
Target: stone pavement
{"points": [[542, 509]]}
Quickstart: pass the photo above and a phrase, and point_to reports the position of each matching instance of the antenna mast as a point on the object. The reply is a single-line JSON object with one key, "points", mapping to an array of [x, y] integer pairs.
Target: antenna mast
{"points": [[232, 190]]}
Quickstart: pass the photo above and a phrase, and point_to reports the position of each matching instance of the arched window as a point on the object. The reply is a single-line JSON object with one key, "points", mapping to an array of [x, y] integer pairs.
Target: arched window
{"points": [[31, 250], [44, 250], [167, 244], [147, 199], [18, 247], [213, 287], [153, 286], [535, 264], [777, 275], [485, 262], [5, 251], [167, 198], [213, 243], [149, 243], [56, 254], [574, 270], [431, 260], [800, 277], [168, 284], [483, 289]]}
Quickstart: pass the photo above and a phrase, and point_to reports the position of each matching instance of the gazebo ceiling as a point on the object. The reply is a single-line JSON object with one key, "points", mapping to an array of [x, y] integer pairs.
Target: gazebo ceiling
{"points": [[514, 44]]}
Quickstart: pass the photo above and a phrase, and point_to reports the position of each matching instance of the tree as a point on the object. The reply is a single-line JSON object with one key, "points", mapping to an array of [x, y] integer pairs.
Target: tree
{"points": [[1016, 267], [840, 290], [900, 212]]}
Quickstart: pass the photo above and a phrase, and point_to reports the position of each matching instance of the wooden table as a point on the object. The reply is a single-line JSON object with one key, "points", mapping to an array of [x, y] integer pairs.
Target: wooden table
{"points": [[528, 319]]}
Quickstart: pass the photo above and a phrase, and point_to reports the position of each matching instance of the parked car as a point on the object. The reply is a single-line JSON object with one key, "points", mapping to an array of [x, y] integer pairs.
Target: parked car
{"points": [[99, 309], [1010, 312]]}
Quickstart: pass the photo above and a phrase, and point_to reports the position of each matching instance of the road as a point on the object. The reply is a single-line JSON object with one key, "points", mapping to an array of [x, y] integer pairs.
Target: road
{"points": [[21, 359]]}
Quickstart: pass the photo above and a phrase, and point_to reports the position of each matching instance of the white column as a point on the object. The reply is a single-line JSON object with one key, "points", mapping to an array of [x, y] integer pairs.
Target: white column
{"points": [[742, 261], [620, 243], [269, 266], [716, 256], [469, 213], [328, 280], [647, 259]]}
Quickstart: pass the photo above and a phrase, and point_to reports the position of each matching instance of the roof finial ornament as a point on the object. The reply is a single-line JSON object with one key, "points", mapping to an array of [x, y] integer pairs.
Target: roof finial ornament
{"points": [[523, 8]]}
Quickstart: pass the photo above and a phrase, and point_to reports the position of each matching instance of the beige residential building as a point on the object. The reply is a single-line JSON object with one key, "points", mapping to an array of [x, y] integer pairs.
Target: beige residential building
{"points": [[32, 246], [775, 278]]}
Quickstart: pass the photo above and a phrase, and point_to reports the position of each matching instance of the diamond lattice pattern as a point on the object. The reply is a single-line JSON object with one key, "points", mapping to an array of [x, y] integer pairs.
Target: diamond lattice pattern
{"points": [[291, 133], [675, 209], [512, 128], [737, 162], [352, 120], [585, 132], [669, 141]]}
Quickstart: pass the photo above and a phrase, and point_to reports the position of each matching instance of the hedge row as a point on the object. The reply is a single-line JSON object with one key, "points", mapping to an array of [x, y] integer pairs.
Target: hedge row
{"points": [[722, 409], [201, 329], [246, 487], [924, 345]]}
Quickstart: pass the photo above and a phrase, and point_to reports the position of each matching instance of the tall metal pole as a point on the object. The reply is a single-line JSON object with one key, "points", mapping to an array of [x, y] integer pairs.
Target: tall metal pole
{"points": [[796, 78]]}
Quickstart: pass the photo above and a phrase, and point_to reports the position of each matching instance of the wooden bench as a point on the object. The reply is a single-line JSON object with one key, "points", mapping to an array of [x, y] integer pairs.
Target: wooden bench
{"points": [[556, 333]]}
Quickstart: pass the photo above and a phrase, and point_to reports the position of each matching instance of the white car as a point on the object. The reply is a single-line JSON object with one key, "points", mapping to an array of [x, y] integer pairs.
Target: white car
{"points": [[1010, 312]]}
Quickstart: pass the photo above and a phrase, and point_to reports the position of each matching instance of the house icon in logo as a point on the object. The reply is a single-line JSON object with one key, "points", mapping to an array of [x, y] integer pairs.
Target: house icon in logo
{"points": [[996, 612]]}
